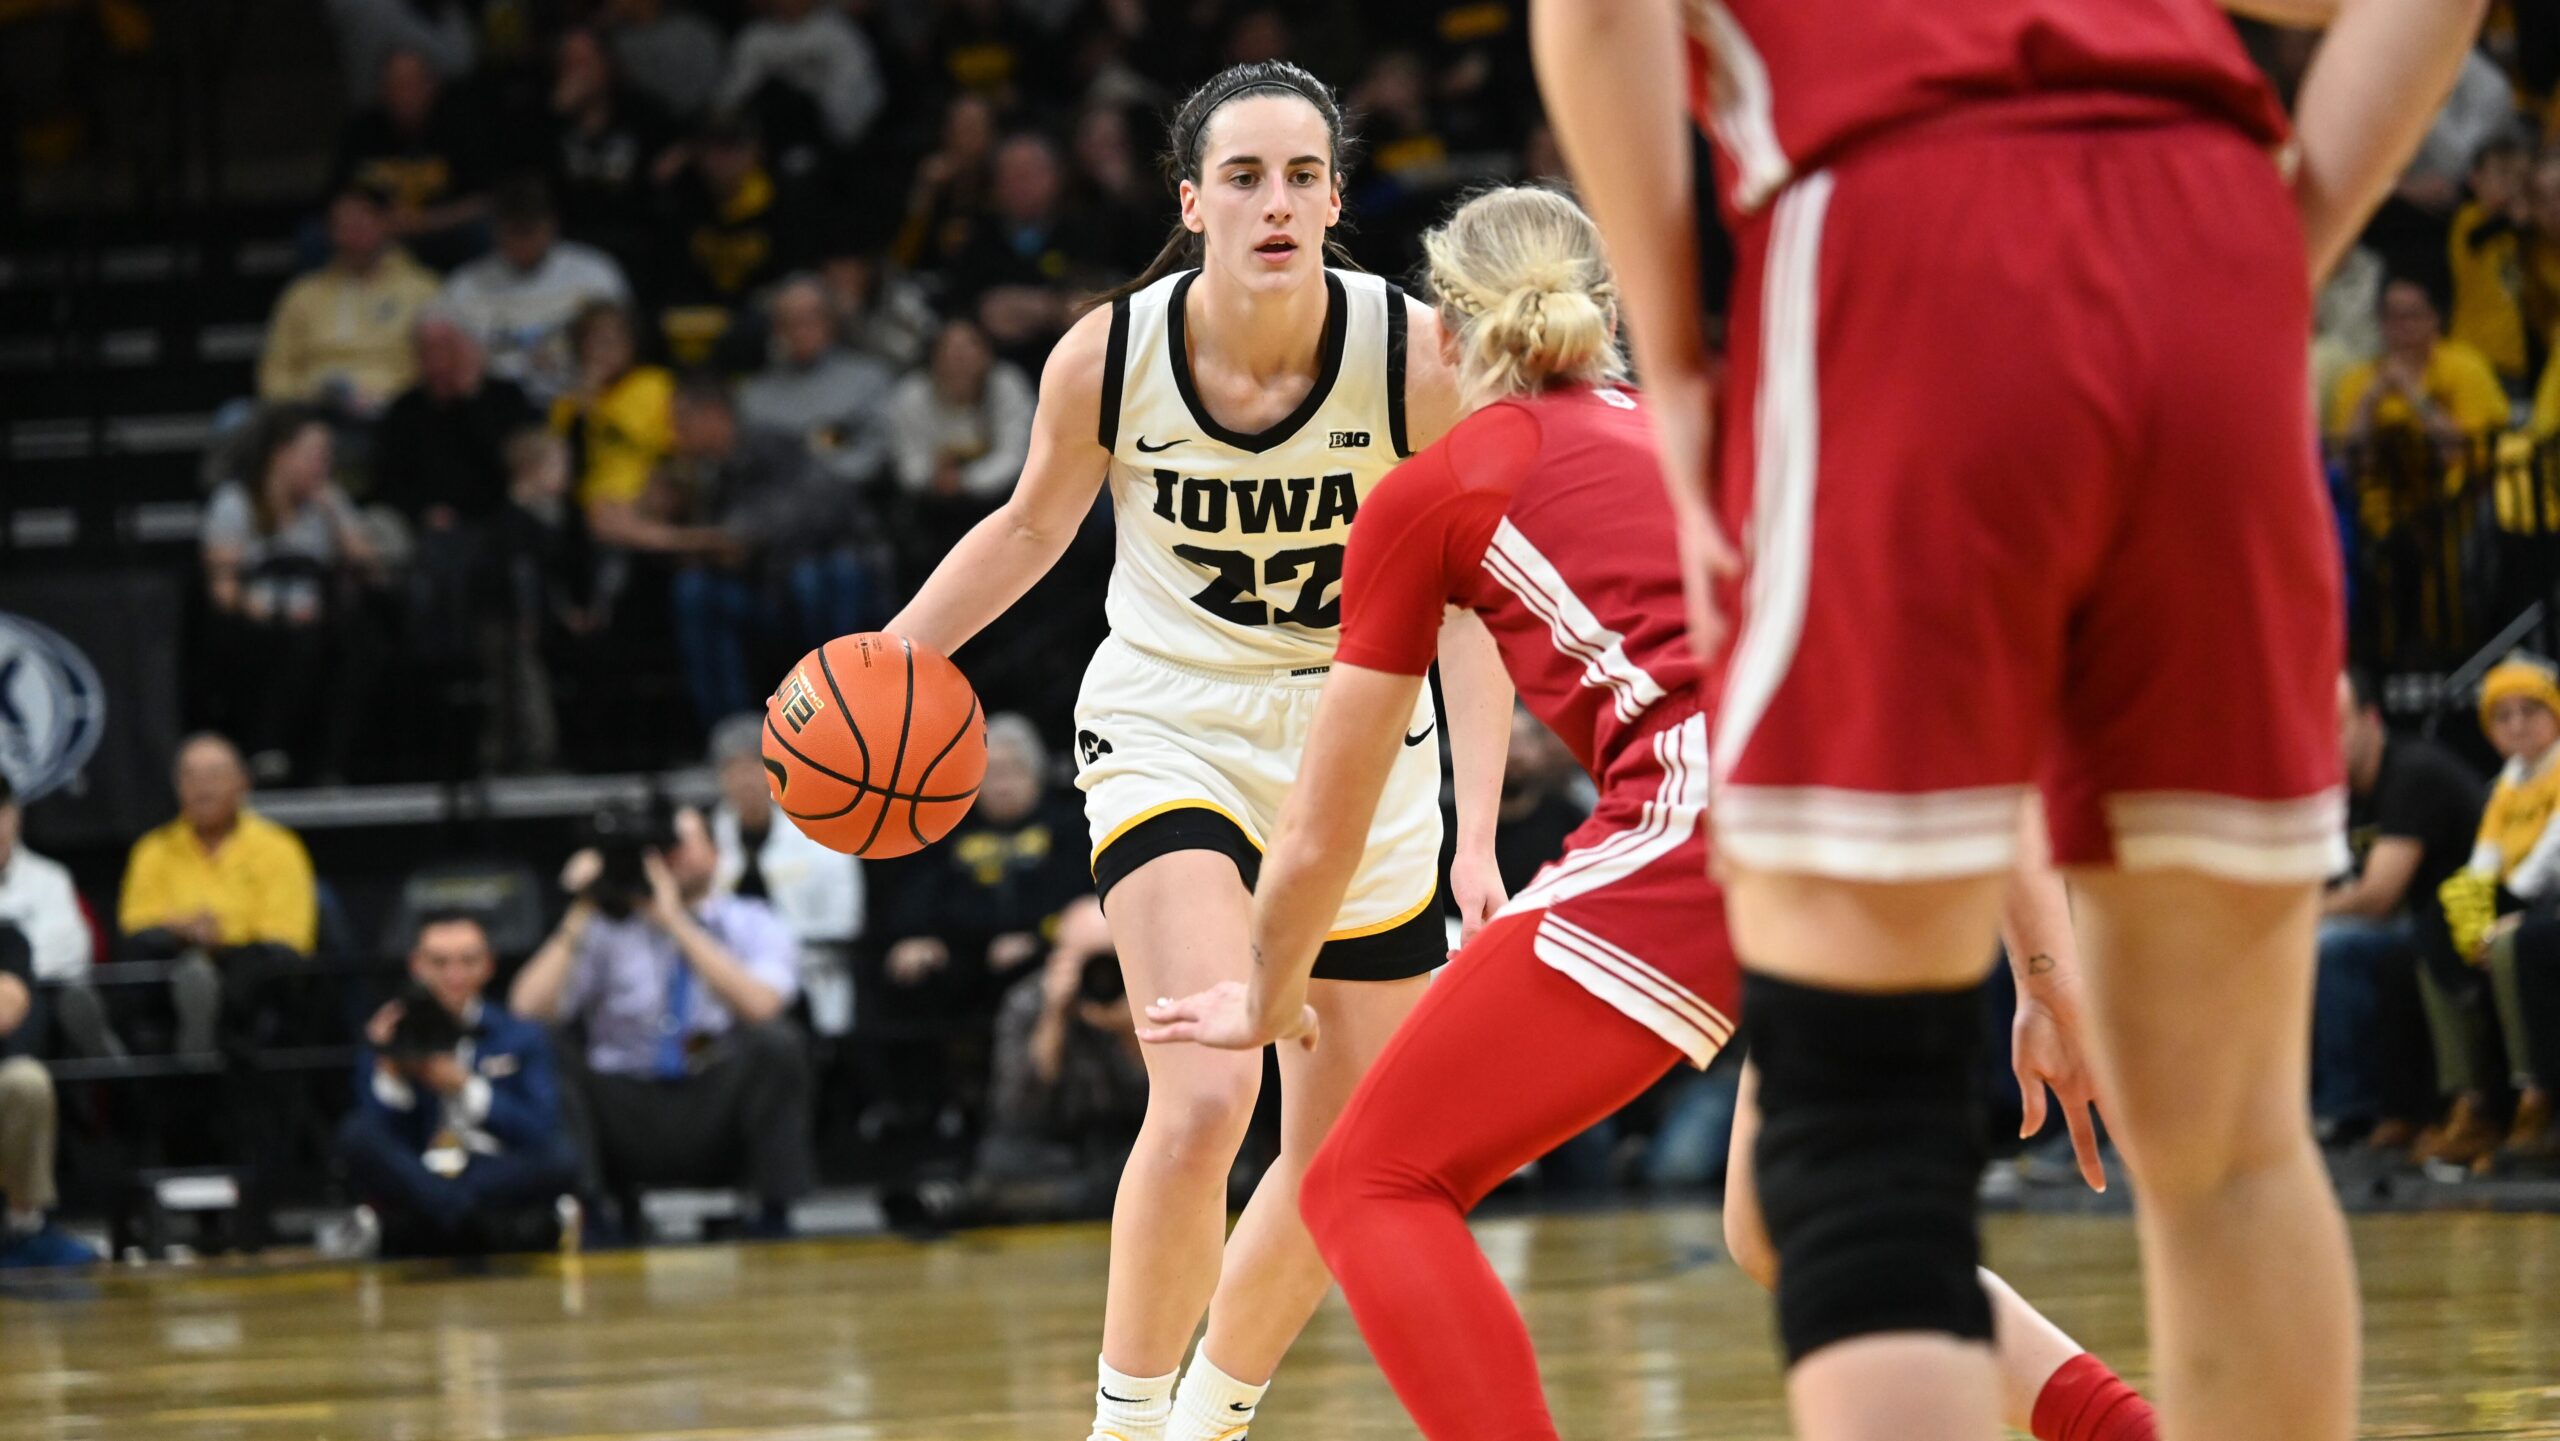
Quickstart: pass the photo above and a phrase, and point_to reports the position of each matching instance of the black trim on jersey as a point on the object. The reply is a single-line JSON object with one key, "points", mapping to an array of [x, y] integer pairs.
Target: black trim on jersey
{"points": [[1115, 361], [1395, 370], [1328, 366], [1414, 948]]}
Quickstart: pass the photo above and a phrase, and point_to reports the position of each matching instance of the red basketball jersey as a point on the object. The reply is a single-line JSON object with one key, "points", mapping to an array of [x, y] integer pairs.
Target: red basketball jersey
{"points": [[1546, 516], [1785, 85]]}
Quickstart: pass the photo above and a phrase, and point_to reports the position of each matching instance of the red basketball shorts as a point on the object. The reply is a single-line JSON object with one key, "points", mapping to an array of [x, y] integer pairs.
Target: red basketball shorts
{"points": [[2018, 441]]}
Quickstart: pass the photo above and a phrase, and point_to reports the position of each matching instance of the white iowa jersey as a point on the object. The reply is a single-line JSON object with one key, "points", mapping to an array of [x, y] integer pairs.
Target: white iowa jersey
{"points": [[1230, 545]]}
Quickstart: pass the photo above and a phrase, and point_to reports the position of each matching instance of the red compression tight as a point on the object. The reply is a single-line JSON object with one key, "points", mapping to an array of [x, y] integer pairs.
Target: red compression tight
{"points": [[1504, 1060]]}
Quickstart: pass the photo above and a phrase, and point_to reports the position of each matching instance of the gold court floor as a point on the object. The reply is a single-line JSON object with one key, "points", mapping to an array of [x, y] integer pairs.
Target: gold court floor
{"points": [[1645, 1333]]}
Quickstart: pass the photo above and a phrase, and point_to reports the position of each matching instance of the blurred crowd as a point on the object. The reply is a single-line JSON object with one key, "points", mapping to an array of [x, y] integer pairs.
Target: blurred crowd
{"points": [[645, 345]]}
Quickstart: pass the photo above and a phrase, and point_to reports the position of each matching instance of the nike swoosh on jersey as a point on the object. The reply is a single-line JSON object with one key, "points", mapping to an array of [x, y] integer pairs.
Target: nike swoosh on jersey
{"points": [[1420, 736], [1168, 445]]}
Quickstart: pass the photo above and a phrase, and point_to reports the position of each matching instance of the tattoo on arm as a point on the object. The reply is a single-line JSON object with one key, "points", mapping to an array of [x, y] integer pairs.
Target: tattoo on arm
{"points": [[2039, 963]]}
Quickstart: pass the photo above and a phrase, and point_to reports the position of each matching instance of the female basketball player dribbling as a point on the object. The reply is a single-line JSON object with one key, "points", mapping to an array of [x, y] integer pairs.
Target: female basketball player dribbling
{"points": [[1543, 511], [1239, 398]]}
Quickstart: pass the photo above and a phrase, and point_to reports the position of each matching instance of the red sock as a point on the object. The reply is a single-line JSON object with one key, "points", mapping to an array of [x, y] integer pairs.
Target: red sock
{"points": [[2084, 1401]]}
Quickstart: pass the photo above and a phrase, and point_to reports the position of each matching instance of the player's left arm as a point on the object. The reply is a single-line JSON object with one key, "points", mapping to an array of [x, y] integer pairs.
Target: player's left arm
{"points": [[1324, 827], [1476, 693], [2044, 958]]}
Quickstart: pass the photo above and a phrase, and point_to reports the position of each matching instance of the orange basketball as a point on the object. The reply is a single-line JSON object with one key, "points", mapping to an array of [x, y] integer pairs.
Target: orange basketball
{"points": [[874, 745]]}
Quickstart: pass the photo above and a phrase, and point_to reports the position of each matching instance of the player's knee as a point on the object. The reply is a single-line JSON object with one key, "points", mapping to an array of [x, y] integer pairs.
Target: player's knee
{"points": [[2184, 1158], [1869, 1153], [1203, 1115], [1746, 1239]]}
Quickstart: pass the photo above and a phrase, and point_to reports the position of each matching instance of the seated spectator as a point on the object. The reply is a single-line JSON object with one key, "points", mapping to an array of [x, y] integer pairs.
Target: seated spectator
{"points": [[606, 138], [28, 1115], [732, 228], [224, 892], [340, 335], [424, 150], [1025, 263], [763, 856], [981, 47], [2346, 323], [2413, 809], [670, 54], [691, 1074], [38, 899], [878, 310], [2486, 259], [810, 79], [792, 560], [2541, 263], [438, 457], [966, 917], [457, 1140], [959, 432], [1115, 193], [519, 299], [2510, 866], [369, 32], [619, 416], [1068, 1088], [2422, 388], [2515, 868], [836, 400], [950, 187], [547, 606], [284, 557]]}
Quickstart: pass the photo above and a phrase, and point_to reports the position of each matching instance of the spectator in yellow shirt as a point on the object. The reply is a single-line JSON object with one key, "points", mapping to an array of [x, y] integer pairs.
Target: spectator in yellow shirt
{"points": [[221, 890], [2415, 412], [341, 335], [2486, 259]]}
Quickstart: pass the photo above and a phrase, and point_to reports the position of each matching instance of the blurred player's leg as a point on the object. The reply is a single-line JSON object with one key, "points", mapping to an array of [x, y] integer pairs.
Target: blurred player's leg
{"points": [[1456, 1105], [1272, 1280], [1179, 922], [2252, 1291], [1861, 1018], [2049, 1387]]}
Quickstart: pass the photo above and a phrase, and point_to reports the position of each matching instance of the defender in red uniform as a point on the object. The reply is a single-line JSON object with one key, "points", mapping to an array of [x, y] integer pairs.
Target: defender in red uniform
{"points": [[2017, 446], [1543, 514]]}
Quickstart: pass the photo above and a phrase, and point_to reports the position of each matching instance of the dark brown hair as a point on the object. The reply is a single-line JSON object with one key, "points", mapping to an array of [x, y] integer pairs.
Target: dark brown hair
{"points": [[1188, 130]]}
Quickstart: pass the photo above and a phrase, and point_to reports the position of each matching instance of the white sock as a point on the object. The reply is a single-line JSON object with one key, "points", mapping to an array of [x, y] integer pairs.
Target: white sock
{"points": [[1212, 1405], [1131, 1408]]}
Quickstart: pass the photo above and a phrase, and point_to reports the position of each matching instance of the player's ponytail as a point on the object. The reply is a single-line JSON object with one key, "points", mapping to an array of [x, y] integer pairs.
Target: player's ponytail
{"points": [[1522, 283], [1189, 131]]}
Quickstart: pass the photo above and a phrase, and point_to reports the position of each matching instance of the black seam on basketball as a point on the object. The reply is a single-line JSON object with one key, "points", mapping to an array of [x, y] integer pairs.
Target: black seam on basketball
{"points": [[906, 722], [915, 803], [868, 791], [846, 711], [803, 758]]}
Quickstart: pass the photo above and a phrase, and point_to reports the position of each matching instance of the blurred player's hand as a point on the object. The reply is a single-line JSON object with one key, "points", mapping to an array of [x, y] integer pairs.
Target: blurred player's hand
{"points": [[1707, 559], [1222, 1016], [2044, 1049], [1476, 882]]}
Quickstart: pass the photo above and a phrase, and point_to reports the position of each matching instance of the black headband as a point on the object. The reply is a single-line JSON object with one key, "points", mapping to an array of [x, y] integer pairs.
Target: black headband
{"points": [[1274, 80]]}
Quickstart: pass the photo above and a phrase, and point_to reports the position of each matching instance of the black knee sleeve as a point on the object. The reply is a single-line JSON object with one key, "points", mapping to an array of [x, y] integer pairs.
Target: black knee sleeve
{"points": [[1871, 1146]]}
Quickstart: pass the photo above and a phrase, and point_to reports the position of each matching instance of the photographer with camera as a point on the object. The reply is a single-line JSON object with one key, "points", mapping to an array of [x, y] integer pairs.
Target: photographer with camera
{"points": [[456, 1141], [1069, 1088], [691, 1075]]}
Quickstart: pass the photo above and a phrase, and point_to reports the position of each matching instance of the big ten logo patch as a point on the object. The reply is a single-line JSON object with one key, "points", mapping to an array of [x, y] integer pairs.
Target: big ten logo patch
{"points": [[799, 702], [1348, 439]]}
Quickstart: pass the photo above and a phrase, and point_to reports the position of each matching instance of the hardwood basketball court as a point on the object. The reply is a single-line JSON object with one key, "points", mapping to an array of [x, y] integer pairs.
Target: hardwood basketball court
{"points": [[1645, 1332]]}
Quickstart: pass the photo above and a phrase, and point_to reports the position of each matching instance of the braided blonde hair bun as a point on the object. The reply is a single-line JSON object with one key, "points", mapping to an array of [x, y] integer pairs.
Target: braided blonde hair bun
{"points": [[1524, 288]]}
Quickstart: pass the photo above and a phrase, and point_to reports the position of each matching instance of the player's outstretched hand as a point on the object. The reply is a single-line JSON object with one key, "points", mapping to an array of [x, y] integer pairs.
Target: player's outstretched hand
{"points": [[1221, 1016], [2044, 1046]]}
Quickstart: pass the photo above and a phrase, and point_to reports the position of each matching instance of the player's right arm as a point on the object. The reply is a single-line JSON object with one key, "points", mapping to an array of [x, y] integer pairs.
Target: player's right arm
{"points": [[1004, 555], [2373, 88], [1613, 72]]}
